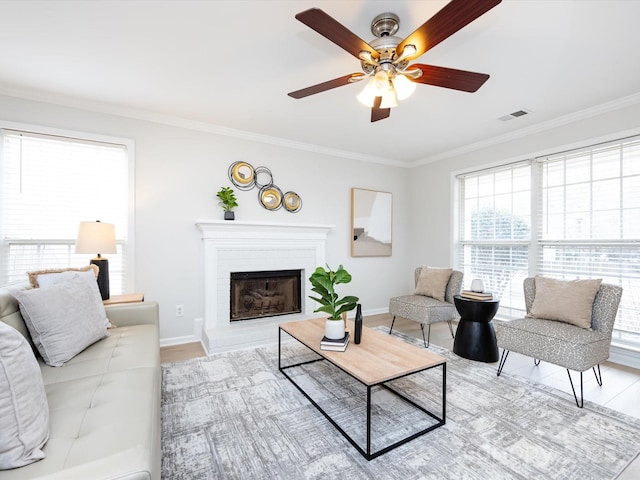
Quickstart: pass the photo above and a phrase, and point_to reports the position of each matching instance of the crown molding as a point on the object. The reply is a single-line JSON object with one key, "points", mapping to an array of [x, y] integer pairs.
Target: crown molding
{"points": [[179, 122], [533, 129]]}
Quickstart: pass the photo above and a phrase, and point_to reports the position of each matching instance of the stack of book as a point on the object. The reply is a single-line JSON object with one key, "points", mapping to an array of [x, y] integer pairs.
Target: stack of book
{"points": [[339, 345], [471, 295]]}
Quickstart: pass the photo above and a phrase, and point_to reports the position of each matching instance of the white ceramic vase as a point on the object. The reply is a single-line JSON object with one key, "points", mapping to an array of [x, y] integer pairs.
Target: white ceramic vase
{"points": [[334, 329], [477, 285]]}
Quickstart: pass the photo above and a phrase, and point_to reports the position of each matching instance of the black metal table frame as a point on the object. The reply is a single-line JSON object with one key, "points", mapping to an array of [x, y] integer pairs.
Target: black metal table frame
{"points": [[367, 453]]}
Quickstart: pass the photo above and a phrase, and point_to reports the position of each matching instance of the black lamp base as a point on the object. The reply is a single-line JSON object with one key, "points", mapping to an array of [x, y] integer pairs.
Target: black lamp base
{"points": [[103, 276]]}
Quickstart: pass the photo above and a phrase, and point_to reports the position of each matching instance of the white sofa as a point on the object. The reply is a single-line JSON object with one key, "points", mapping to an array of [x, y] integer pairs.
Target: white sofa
{"points": [[104, 404]]}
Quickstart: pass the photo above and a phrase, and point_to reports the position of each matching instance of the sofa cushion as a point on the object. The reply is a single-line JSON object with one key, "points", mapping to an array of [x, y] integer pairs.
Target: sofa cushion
{"points": [[559, 343], [102, 427], [63, 319], [24, 412], [432, 282], [569, 301], [125, 348], [10, 311]]}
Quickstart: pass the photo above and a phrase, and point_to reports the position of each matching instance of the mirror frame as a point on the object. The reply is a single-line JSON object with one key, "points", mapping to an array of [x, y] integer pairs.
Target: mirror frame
{"points": [[270, 192], [366, 204]]}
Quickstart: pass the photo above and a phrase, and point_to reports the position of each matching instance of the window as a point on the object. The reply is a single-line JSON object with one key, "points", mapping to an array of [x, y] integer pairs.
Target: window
{"points": [[49, 185], [495, 231], [589, 222], [585, 223]]}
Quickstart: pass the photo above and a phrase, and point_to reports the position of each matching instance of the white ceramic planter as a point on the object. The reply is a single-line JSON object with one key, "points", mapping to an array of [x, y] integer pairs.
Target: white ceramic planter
{"points": [[477, 285], [334, 329]]}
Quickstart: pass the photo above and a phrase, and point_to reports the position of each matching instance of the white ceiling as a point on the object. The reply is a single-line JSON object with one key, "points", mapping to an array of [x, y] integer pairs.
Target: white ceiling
{"points": [[231, 64]]}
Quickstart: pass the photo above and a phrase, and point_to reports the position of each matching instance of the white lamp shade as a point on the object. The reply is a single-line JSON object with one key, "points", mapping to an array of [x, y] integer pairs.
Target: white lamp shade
{"points": [[404, 87], [368, 94], [96, 237], [389, 99], [381, 82]]}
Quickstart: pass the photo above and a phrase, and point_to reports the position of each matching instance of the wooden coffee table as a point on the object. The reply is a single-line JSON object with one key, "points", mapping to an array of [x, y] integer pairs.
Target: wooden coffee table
{"points": [[378, 359]]}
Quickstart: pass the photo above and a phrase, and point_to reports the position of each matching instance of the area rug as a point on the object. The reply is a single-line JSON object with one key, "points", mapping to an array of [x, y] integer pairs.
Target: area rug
{"points": [[235, 416]]}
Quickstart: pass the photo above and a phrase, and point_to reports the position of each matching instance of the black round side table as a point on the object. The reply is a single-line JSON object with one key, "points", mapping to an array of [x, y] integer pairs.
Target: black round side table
{"points": [[475, 337]]}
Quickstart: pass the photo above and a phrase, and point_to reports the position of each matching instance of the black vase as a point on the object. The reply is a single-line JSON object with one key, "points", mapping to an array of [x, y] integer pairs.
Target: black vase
{"points": [[358, 324]]}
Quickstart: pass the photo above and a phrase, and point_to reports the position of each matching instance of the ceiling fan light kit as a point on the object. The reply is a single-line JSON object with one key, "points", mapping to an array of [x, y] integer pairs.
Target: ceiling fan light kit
{"points": [[385, 61]]}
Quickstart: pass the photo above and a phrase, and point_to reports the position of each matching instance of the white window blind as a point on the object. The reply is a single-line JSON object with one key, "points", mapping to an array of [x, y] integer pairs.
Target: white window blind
{"points": [[49, 185], [589, 222], [585, 223], [495, 231]]}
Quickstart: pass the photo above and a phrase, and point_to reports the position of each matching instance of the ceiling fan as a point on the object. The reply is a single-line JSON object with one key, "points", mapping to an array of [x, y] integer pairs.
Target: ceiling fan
{"points": [[385, 60]]}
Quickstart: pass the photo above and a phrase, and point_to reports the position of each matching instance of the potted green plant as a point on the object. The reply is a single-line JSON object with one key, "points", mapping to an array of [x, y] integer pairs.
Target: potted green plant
{"points": [[228, 201], [324, 282]]}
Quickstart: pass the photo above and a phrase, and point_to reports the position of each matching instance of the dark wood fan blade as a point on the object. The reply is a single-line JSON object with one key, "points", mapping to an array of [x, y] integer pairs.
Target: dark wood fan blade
{"points": [[321, 87], [453, 16], [378, 113], [331, 29], [449, 77]]}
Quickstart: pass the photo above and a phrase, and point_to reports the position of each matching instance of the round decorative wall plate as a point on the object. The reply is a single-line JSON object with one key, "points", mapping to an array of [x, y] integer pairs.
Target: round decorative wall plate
{"points": [[242, 175], [292, 202], [270, 197], [245, 177]]}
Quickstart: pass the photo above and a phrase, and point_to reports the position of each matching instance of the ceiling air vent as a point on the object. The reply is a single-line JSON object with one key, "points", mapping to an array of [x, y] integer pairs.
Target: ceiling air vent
{"points": [[513, 115]]}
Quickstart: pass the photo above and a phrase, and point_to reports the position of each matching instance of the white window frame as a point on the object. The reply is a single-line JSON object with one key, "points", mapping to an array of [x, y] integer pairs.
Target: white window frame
{"points": [[129, 143], [506, 310]]}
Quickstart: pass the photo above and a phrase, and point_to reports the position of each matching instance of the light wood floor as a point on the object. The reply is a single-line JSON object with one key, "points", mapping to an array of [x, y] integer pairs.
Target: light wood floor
{"points": [[178, 353], [620, 390]]}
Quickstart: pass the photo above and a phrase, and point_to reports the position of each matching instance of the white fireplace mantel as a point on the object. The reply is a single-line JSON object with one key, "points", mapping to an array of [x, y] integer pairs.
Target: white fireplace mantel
{"points": [[233, 229], [238, 246]]}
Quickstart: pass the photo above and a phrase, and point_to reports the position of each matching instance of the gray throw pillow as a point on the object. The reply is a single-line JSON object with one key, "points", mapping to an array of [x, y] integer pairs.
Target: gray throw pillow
{"points": [[24, 412], [46, 280], [62, 320]]}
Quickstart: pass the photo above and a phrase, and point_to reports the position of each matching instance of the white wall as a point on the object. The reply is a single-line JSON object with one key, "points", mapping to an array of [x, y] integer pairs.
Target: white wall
{"points": [[178, 171], [431, 185]]}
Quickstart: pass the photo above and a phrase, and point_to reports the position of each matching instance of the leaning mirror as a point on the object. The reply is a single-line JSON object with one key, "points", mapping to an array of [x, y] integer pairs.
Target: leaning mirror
{"points": [[370, 223]]}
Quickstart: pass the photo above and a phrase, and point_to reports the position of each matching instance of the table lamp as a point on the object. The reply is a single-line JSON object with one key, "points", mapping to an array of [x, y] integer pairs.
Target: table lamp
{"points": [[101, 238]]}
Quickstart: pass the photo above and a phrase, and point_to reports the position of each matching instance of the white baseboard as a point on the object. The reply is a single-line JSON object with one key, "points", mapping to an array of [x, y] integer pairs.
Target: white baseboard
{"points": [[167, 342], [374, 311], [624, 356]]}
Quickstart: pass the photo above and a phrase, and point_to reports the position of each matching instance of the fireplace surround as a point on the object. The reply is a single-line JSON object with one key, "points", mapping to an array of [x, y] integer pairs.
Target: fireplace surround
{"points": [[240, 246]]}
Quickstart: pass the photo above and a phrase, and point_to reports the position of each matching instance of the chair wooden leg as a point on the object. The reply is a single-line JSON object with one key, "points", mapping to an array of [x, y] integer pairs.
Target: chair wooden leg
{"points": [[392, 322], [451, 329]]}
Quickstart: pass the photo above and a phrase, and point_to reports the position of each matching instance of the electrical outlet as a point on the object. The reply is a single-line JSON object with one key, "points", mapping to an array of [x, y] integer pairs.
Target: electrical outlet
{"points": [[179, 310]]}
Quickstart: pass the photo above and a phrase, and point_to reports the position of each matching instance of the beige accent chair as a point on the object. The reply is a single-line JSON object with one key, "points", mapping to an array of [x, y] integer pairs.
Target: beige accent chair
{"points": [[426, 310]]}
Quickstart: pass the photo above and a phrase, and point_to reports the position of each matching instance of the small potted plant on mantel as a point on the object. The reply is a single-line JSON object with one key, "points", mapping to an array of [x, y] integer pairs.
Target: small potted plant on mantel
{"points": [[324, 282], [228, 202]]}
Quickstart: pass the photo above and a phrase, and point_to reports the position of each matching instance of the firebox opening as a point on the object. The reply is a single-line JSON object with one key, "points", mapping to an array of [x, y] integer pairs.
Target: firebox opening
{"points": [[265, 294]]}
